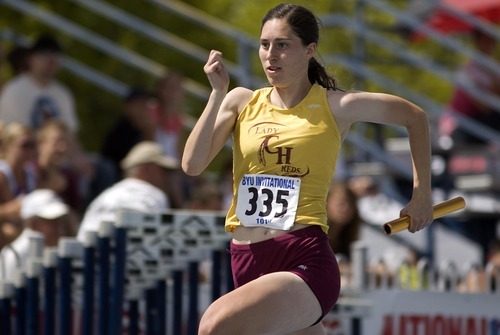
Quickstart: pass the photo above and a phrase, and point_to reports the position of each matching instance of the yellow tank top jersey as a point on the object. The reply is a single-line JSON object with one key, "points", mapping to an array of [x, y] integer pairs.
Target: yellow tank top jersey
{"points": [[302, 142]]}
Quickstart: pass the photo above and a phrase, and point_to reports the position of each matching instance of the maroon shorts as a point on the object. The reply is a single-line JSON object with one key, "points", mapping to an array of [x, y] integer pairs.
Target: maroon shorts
{"points": [[305, 252]]}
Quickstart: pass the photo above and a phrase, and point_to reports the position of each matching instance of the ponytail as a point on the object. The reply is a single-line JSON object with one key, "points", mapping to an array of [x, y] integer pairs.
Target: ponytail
{"points": [[318, 75]]}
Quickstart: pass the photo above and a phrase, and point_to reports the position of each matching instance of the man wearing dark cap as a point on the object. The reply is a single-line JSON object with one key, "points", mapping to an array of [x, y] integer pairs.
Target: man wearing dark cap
{"points": [[134, 125], [35, 96], [148, 180]]}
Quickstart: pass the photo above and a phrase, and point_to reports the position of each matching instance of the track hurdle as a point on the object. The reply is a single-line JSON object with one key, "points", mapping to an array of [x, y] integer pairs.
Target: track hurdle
{"points": [[152, 253], [89, 281], [172, 245]]}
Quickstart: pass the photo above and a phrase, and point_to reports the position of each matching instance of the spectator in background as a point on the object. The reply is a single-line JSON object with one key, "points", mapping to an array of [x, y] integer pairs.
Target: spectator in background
{"points": [[17, 176], [133, 126], [375, 207], [226, 183], [35, 96], [44, 214], [484, 278], [54, 167], [408, 272], [168, 116], [474, 74], [343, 218], [206, 195], [168, 113], [493, 262], [146, 187], [137, 124]]}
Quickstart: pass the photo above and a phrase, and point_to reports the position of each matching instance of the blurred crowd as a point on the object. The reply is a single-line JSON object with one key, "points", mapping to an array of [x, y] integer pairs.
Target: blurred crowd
{"points": [[50, 186]]}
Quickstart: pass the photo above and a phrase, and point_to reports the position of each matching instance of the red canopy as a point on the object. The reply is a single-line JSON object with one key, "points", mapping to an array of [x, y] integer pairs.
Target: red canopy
{"points": [[446, 22]]}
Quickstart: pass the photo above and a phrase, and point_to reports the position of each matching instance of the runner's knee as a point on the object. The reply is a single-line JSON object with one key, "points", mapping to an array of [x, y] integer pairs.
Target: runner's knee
{"points": [[213, 321]]}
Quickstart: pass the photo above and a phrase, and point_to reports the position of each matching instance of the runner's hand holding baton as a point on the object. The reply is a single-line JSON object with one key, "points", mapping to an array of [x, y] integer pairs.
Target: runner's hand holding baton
{"points": [[441, 209]]}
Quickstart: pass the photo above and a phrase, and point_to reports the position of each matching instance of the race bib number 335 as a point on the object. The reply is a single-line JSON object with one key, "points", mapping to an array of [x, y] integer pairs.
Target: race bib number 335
{"points": [[268, 201]]}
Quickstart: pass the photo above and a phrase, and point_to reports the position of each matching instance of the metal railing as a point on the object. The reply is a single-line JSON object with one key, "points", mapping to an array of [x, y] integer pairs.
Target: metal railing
{"points": [[245, 43], [239, 70]]}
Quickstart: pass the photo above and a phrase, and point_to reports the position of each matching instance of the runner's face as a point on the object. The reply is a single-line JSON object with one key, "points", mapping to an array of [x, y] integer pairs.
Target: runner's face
{"points": [[283, 56]]}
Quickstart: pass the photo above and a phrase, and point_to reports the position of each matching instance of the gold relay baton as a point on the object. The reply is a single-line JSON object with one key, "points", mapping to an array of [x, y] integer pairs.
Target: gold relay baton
{"points": [[441, 209]]}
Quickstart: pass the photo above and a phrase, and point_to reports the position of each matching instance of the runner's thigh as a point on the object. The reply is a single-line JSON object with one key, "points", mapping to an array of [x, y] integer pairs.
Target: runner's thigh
{"points": [[276, 303]]}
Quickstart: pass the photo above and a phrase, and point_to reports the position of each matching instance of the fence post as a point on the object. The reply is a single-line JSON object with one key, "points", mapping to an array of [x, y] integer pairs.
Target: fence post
{"points": [[6, 293], [216, 274], [20, 301], [149, 297], [359, 253], [103, 251], [161, 306], [89, 249], [133, 312], [177, 276], [118, 281], [193, 298], [49, 276], [68, 248], [33, 271]]}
